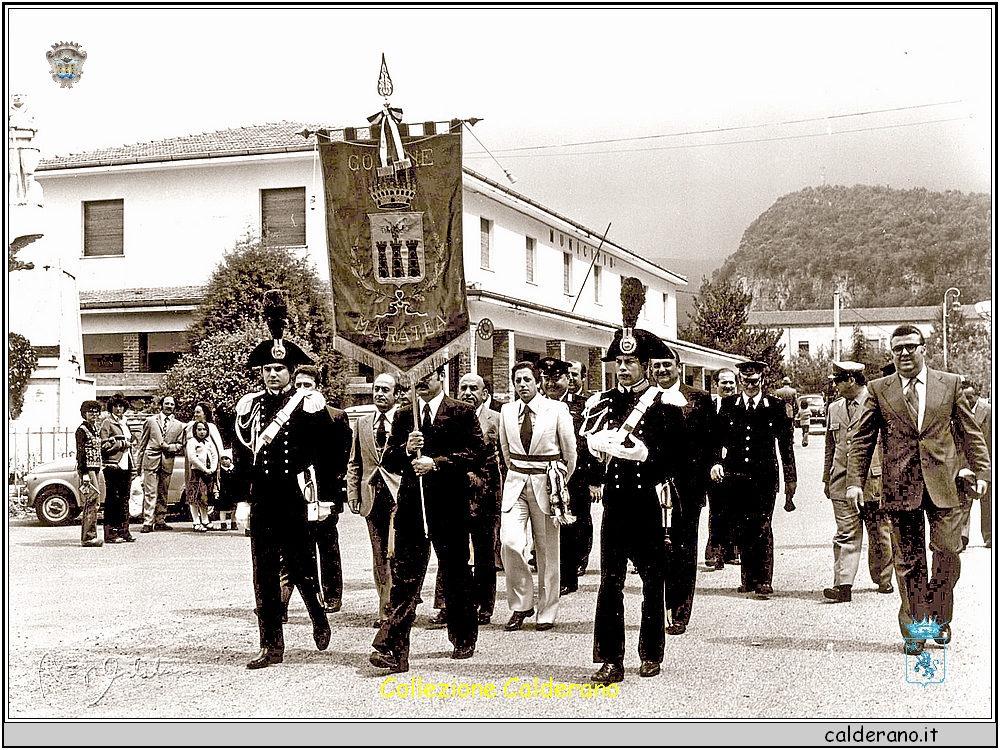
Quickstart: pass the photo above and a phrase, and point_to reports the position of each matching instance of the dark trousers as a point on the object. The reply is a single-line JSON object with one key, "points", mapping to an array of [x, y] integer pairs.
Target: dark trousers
{"points": [[929, 593], [117, 484], [409, 566], [576, 539], [485, 530], [722, 526], [323, 534], [756, 541], [985, 515], [270, 544], [877, 523], [681, 567], [625, 535]]}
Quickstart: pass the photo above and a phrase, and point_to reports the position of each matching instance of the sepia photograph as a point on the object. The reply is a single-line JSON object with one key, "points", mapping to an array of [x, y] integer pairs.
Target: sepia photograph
{"points": [[431, 375]]}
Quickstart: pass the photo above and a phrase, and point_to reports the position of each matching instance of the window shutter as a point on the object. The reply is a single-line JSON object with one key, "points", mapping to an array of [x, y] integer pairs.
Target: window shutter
{"points": [[283, 216], [103, 228]]}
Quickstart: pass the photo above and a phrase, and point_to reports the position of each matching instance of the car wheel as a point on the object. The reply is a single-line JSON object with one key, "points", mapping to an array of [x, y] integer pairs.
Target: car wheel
{"points": [[55, 506]]}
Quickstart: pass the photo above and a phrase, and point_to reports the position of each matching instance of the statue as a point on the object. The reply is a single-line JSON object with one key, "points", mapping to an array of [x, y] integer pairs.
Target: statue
{"points": [[22, 156]]}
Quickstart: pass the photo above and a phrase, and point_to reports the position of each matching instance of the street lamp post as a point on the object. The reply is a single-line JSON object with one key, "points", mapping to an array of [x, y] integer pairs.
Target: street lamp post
{"points": [[944, 321]]}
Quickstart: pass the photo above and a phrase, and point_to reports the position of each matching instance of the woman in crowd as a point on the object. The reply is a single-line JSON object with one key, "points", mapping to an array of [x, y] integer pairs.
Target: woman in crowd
{"points": [[88, 465], [116, 450]]}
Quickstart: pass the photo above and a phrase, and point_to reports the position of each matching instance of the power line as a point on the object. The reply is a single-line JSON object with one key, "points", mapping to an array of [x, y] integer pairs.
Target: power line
{"points": [[735, 127], [510, 155]]}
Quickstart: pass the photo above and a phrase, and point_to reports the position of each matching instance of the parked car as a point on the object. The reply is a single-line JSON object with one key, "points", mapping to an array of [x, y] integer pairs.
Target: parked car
{"points": [[54, 489]]}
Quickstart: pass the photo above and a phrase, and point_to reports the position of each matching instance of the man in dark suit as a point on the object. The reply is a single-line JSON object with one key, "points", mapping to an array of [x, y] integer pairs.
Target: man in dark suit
{"points": [[337, 444], [486, 483], [722, 523], [280, 433], [690, 482], [926, 428], [748, 427], [371, 489], [584, 488], [433, 506]]}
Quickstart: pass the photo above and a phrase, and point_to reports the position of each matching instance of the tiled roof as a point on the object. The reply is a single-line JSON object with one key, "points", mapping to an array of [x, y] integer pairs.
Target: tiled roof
{"points": [[271, 138], [850, 316], [144, 297]]}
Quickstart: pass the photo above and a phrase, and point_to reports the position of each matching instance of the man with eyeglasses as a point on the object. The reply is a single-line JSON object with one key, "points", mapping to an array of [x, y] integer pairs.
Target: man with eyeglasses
{"points": [[748, 428], [926, 428]]}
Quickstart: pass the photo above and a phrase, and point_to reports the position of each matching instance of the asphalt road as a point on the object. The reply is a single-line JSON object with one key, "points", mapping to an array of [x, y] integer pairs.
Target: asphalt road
{"points": [[163, 628]]}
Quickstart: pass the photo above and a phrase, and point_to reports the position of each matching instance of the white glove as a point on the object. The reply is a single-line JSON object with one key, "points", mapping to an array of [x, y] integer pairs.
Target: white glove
{"points": [[243, 515]]}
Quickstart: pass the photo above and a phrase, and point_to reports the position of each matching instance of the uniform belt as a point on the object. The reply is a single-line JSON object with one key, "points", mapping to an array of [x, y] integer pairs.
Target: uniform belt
{"points": [[532, 470]]}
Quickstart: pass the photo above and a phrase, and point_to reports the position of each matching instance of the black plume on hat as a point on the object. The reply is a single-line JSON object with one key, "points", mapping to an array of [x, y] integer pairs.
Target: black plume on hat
{"points": [[275, 312], [633, 298]]}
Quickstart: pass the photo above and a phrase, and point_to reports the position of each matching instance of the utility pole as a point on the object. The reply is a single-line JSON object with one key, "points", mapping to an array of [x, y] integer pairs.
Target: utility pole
{"points": [[836, 326]]}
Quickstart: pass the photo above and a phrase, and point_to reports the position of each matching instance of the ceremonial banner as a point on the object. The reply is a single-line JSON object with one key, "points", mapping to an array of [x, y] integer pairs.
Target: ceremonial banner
{"points": [[394, 237]]}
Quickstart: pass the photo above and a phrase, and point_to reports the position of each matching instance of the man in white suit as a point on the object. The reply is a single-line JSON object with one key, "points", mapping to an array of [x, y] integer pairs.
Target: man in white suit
{"points": [[371, 489], [534, 432]]}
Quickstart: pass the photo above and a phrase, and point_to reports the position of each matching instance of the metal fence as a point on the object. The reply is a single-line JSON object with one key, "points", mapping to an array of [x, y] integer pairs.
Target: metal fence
{"points": [[29, 447]]}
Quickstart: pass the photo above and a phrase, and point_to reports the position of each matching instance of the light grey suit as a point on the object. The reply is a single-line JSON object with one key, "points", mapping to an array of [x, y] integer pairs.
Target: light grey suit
{"points": [[157, 452]]}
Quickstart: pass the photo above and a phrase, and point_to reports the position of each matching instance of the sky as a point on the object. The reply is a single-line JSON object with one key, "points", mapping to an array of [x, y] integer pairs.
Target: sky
{"points": [[678, 126]]}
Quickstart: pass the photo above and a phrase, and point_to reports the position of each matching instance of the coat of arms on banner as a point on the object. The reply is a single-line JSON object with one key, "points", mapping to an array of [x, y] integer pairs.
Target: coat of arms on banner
{"points": [[66, 60], [923, 668]]}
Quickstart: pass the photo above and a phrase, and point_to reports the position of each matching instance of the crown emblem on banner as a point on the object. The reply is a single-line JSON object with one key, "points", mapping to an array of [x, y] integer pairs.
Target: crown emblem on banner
{"points": [[924, 629], [393, 192]]}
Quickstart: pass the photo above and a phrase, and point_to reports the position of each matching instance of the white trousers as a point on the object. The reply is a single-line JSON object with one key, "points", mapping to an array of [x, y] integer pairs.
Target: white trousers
{"points": [[518, 526]]}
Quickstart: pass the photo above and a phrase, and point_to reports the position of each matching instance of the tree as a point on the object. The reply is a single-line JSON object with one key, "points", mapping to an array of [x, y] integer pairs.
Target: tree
{"points": [[874, 358], [21, 362], [969, 350], [810, 373], [720, 322], [228, 325]]}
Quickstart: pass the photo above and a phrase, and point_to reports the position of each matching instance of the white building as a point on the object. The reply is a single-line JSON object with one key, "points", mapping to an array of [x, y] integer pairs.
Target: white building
{"points": [[811, 331], [142, 226]]}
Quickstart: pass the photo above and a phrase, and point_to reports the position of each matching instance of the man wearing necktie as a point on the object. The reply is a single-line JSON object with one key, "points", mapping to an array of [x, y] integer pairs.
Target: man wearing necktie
{"points": [[371, 488], [433, 506], [748, 428], [534, 431], [852, 520], [160, 442], [926, 428]]}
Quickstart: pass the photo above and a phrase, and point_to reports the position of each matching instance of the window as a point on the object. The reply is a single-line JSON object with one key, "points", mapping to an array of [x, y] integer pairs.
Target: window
{"points": [[552, 237], [103, 228], [283, 216], [597, 285], [485, 235], [567, 273], [529, 259], [666, 309], [803, 347]]}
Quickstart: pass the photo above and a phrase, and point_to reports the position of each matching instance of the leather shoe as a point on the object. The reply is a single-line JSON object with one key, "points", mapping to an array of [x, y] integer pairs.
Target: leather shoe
{"points": [[92, 543], [146, 528], [543, 626], [582, 569], [789, 506], [566, 590], [674, 628], [733, 560], [945, 637], [608, 674], [765, 589], [127, 538], [162, 527], [516, 621], [841, 593], [115, 540], [649, 669], [484, 618], [913, 647], [885, 588], [463, 652], [741, 589], [333, 605], [388, 661], [265, 658], [440, 619], [377, 624], [321, 634]]}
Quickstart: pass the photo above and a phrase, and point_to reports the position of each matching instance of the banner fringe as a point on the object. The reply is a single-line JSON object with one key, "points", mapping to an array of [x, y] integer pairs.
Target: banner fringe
{"points": [[404, 378]]}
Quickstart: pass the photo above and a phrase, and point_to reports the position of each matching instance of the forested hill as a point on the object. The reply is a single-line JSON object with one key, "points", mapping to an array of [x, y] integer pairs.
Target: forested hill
{"points": [[880, 247]]}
